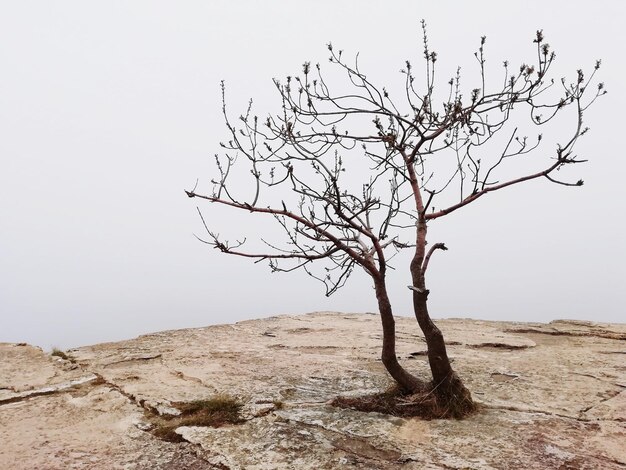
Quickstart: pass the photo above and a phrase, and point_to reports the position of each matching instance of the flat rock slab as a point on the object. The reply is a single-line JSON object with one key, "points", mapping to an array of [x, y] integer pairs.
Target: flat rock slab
{"points": [[552, 396]]}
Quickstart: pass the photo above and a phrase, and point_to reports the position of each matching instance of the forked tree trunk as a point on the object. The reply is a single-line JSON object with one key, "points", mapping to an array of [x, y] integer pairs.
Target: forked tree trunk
{"points": [[403, 378]]}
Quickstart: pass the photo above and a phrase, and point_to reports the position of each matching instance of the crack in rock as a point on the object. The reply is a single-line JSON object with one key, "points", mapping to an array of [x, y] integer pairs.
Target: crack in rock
{"points": [[616, 384], [590, 407], [50, 390], [134, 359], [363, 449], [142, 403], [505, 346], [554, 332], [529, 410], [189, 378]]}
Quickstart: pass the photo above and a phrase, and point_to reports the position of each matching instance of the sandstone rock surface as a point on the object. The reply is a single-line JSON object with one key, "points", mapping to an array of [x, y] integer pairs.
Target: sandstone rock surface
{"points": [[552, 396]]}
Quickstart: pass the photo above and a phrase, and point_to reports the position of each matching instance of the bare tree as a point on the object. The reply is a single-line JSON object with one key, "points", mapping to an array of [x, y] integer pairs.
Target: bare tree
{"points": [[306, 164]]}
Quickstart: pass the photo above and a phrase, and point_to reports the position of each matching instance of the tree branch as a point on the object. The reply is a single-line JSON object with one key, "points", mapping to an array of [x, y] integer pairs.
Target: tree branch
{"points": [[436, 246], [361, 260]]}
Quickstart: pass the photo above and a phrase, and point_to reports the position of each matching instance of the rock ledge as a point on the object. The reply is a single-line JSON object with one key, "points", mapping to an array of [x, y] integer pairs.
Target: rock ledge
{"points": [[552, 395]]}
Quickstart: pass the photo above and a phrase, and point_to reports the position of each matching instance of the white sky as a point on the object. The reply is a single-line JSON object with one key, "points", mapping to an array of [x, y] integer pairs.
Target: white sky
{"points": [[109, 109]]}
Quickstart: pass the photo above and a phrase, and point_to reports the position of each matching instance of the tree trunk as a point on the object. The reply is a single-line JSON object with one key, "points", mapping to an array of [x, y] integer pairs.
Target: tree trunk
{"points": [[446, 385], [437, 353], [403, 378]]}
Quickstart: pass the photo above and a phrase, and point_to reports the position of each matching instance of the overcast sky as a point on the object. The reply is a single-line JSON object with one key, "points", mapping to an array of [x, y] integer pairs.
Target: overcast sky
{"points": [[110, 109]]}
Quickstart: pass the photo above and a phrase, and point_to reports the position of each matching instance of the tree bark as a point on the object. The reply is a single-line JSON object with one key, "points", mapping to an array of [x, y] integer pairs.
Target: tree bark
{"points": [[437, 353], [446, 384], [404, 379]]}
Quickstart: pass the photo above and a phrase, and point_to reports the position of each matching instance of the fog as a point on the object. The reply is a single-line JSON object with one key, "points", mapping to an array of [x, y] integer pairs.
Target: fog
{"points": [[109, 110]]}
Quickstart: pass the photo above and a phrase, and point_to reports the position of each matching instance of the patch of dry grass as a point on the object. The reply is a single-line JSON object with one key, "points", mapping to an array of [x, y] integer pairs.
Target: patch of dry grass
{"points": [[214, 412], [58, 353]]}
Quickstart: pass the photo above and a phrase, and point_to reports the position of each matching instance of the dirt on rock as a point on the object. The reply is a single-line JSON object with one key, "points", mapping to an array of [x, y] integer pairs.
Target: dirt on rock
{"points": [[551, 396]]}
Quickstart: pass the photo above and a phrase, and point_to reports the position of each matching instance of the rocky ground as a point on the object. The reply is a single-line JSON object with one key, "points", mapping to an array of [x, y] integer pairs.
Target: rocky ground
{"points": [[553, 396]]}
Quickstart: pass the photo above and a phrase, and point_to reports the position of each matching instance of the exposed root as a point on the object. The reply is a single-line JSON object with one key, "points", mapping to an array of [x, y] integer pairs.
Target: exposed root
{"points": [[430, 404]]}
